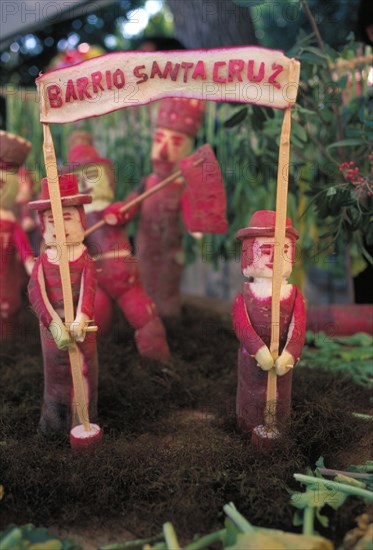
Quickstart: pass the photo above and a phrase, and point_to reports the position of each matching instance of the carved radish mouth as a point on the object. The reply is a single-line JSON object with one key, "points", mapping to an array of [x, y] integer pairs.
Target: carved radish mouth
{"points": [[270, 265]]}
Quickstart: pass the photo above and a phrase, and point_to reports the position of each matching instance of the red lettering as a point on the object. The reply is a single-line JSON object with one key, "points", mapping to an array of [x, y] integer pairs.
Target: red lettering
{"points": [[250, 72], [70, 91], [96, 81], [82, 85], [138, 74], [277, 70], [215, 75], [186, 66], [118, 79], [199, 71], [54, 96], [235, 68], [108, 80], [155, 70], [168, 70], [172, 71]]}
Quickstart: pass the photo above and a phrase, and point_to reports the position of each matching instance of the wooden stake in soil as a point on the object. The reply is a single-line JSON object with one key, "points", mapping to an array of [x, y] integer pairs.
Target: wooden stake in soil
{"points": [[280, 227], [279, 241], [80, 394]]}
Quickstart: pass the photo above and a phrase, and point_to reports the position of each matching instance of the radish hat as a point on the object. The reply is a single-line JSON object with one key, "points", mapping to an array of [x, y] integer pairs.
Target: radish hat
{"points": [[181, 114], [82, 154], [70, 195], [13, 150], [262, 224]]}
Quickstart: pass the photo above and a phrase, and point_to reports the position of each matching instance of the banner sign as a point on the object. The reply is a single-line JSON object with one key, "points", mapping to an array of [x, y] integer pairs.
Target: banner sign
{"points": [[103, 84]]}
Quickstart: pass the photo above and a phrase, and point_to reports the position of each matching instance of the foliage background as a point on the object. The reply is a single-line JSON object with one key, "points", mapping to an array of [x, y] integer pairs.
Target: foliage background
{"points": [[333, 107]]}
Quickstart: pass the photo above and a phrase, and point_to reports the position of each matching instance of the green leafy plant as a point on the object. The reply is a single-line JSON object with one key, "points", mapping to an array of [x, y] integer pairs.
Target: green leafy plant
{"points": [[351, 355], [321, 492], [238, 533], [331, 125], [361, 473], [29, 537]]}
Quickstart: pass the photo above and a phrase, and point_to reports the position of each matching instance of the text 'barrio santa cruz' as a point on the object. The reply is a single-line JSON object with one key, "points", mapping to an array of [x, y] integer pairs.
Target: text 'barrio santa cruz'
{"points": [[110, 82]]}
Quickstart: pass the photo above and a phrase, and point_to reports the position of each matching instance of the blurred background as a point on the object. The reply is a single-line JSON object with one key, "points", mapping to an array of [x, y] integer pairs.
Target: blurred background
{"points": [[332, 121]]}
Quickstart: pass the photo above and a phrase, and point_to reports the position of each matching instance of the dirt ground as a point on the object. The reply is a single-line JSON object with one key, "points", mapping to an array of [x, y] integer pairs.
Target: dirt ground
{"points": [[171, 450]]}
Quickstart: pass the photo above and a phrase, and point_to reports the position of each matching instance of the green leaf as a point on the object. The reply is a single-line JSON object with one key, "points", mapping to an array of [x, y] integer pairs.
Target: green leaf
{"points": [[359, 339], [236, 119], [299, 131], [324, 520], [11, 538], [351, 355], [346, 143], [28, 536], [350, 481], [35, 534], [309, 57], [316, 51], [326, 114], [362, 468], [331, 191], [278, 540], [231, 532], [297, 519], [317, 496]]}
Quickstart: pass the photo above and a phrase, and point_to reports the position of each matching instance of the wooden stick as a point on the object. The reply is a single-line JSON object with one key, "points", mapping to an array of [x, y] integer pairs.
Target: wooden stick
{"points": [[92, 328], [280, 231], [80, 394], [143, 196]]}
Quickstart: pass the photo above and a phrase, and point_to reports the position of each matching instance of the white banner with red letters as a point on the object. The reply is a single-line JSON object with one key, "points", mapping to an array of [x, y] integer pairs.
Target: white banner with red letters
{"points": [[103, 84]]}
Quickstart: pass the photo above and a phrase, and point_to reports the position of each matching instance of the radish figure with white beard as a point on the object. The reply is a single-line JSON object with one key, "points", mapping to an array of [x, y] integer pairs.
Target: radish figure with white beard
{"points": [[252, 322]]}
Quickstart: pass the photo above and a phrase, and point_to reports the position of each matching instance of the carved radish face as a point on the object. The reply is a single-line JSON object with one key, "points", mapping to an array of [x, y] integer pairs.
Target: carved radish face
{"points": [[258, 255], [169, 147], [9, 187], [94, 180], [73, 226]]}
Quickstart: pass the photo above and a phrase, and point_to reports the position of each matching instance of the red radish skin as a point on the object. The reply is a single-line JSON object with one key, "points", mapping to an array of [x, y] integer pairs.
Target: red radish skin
{"points": [[81, 440], [252, 325]]}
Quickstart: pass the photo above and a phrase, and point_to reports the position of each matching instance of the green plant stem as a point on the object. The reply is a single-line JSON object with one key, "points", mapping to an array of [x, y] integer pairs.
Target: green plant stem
{"points": [[363, 416], [329, 472], [170, 536], [318, 142], [313, 25], [334, 486], [205, 541], [308, 521], [238, 518], [133, 544]]}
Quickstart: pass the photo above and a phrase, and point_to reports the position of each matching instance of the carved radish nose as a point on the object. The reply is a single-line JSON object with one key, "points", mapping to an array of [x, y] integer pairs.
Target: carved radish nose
{"points": [[164, 152]]}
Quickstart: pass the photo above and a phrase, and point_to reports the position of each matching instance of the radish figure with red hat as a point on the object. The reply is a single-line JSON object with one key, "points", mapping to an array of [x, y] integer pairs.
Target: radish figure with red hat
{"points": [[252, 323], [159, 238], [117, 272], [16, 252], [46, 297]]}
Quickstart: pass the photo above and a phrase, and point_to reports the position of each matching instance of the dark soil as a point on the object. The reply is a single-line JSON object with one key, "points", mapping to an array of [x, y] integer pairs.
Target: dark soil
{"points": [[171, 451]]}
